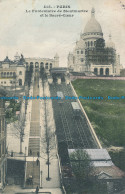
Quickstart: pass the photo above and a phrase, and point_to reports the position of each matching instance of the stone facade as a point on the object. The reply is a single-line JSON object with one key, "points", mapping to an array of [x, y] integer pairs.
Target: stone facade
{"points": [[12, 73], [45, 63], [77, 60]]}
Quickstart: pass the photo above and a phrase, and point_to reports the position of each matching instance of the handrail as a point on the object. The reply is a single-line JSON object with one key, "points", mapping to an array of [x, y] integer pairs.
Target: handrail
{"points": [[60, 171]]}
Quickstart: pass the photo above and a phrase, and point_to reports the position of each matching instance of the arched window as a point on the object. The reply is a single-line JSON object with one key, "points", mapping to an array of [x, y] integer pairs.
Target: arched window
{"points": [[20, 73], [41, 64], [36, 65], [96, 71], [50, 65], [88, 43], [20, 82], [46, 66], [91, 43], [101, 71], [107, 71], [1, 74], [31, 63], [7, 74]]}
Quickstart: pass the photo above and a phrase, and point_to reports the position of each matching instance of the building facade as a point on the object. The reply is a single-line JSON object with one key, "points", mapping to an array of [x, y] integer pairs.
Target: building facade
{"points": [[92, 54], [3, 160], [12, 73], [45, 63]]}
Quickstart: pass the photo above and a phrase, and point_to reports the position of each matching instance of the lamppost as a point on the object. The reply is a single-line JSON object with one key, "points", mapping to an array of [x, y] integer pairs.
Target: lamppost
{"points": [[25, 152], [41, 178], [21, 140]]}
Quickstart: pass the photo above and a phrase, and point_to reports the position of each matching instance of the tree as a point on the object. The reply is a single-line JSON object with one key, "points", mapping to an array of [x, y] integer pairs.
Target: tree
{"points": [[81, 164], [49, 143], [48, 138], [19, 126]]}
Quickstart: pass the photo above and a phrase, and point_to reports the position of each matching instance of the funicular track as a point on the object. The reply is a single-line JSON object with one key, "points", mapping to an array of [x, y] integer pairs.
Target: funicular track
{"points": [[65, 125], [75, 130]]}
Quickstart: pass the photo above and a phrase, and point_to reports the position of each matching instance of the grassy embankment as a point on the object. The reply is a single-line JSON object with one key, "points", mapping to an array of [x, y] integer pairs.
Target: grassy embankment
{"points": [[106, 116]]}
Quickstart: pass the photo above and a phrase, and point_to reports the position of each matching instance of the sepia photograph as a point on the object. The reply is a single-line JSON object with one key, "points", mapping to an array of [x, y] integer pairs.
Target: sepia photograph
{"points": [[62, 96]]}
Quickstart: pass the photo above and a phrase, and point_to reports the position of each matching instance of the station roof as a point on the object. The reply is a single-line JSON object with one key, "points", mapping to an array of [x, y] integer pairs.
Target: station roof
{"points": [[59, 70], [98, 157], [103, 166]]}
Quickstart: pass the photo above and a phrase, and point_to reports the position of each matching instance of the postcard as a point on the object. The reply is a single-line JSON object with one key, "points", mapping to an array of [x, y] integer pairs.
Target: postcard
{"points": [[62, 96]]}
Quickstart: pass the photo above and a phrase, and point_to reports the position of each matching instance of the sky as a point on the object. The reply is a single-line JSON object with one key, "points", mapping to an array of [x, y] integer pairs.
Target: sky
{"points": [[36, 36]]}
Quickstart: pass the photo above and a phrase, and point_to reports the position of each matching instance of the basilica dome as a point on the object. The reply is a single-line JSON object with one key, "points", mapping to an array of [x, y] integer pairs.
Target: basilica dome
{"points": [[93, 30], [93, 25]]}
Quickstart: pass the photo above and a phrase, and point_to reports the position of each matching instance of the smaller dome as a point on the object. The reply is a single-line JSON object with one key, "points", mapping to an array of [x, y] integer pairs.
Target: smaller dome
{"points": [[56, 56], [17, 55], [80, 44], [6, 60], [110, 44]]}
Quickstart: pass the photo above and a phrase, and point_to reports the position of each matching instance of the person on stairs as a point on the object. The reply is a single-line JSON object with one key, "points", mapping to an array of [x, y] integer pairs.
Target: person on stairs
{"points": [[37, 189], [37, 161]]}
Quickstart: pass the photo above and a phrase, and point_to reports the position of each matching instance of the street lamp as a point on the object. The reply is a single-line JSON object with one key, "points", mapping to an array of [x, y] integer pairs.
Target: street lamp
{"points": [[41, 178]]}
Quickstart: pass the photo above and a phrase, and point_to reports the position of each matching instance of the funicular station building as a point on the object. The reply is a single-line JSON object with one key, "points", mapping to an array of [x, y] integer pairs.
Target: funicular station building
{"points": [[45, 63]]}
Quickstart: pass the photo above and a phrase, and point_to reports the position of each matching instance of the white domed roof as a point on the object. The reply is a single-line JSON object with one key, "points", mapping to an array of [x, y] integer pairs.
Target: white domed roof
{"points": [[93, 25], [110, 44]]}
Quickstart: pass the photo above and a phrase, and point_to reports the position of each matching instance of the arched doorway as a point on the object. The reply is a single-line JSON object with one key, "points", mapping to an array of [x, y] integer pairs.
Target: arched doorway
{"points": [[107, 71], [41, 65], [101, 71], [36, 65], [54, 78], [31, 64], [96, 71], [27, 65], [20, 82], [50, 65], [42, 70], [46, 66], [63, 78]]}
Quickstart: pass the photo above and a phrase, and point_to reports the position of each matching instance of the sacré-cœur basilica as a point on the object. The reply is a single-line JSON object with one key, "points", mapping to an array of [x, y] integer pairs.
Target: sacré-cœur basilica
{"points": [[91, 54]]}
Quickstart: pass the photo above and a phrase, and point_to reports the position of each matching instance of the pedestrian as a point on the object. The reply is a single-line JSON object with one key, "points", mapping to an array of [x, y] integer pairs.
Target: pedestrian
{"points": [[38, 154], [6, 150], [37, 189], [11, 153], [30, 152], [37, 161]]}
